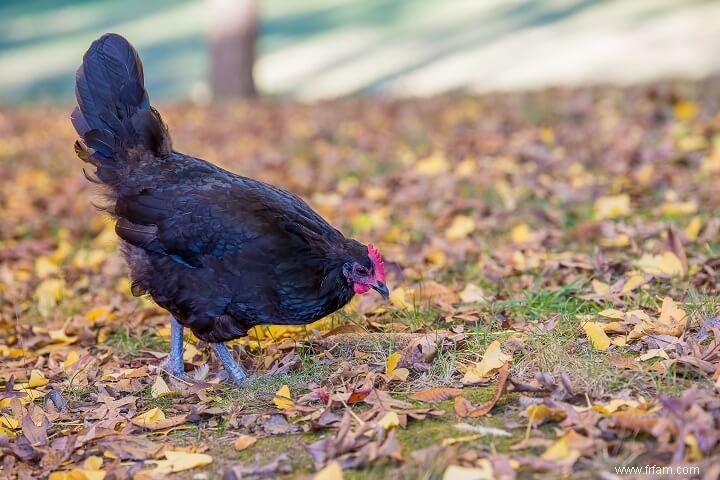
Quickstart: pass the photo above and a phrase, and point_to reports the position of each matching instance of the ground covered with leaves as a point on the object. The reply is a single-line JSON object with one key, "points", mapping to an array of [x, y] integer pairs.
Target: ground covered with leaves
{"points": [[553, 259]]}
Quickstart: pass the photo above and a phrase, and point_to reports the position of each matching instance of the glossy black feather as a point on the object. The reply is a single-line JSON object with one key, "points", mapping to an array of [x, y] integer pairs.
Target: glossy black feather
{"points": [[221, 252]]}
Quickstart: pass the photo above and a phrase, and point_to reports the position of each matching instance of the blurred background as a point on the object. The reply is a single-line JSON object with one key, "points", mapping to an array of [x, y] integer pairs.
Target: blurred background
{"points": [[310, 49]]}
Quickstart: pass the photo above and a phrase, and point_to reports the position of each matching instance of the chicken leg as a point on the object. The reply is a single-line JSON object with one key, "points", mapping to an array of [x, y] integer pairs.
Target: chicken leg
{"points": [[174, 364], [235, 372]]}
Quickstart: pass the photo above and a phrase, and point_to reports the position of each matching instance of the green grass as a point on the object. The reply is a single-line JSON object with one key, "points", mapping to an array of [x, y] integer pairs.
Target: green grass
{"points": [[132, 344], [261, 389]]}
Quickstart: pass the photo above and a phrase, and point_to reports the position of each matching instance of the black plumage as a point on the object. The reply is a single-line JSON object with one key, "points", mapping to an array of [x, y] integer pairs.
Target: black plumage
{"points": [[221, 252]]}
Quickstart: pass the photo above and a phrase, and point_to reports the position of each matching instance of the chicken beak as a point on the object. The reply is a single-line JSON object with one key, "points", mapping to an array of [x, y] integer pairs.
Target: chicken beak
{"points": [[382, 289]]}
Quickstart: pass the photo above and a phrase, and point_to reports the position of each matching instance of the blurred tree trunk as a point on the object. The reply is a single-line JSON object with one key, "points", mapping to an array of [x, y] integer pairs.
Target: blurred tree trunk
{"points": [[233, 28]]}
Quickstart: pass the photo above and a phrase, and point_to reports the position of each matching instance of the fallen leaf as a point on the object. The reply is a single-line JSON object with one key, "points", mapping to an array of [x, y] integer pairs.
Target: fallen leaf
{"points": [[154, 419], [389, 420], [398, 297], [456, 472], [461, 227], [654, 353], [612, 207], [633, 282], [282, 399], [464, 408], [180, 461], [244, 441], [37, 379], [673, 319], [434, 395], [664, 265], [159, 388], [596, 334], [71, 359], [472, 294], [333, 471], [492, 360], [561, 450], [391, 369]]}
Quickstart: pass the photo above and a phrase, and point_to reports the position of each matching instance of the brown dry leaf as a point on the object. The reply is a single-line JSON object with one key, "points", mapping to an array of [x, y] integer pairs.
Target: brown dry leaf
{"points": [[435, 395], [464, 408]]}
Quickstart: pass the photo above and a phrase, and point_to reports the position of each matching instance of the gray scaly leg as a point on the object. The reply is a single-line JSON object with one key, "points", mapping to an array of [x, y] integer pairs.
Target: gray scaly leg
{"points": [[234, 371], [174, 364]]}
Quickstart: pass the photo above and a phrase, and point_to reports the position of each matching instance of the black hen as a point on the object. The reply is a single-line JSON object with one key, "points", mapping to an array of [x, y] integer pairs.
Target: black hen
{"points": [[220, 252]]}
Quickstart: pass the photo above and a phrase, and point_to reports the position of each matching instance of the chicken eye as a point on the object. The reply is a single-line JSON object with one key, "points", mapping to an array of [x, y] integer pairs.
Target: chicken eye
{"points": [[361, 270]]}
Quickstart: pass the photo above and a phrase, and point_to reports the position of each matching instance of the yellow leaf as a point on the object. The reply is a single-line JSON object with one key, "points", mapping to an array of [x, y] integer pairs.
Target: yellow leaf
{"points": [[60, 336], [160, 388], [618, 241], [48, 293], [600, 288], [9, 422], [390, 420], [665, 265], [693, 228], [154, 415], [71, 359], [180, 461], [547, 135], [654, 353], [282, 398], [244, 441], [541, 413], [99, 313], [561, 451], [190, 352], [596, 334], [465, 168], [673, 319], [436, 257], [89, 258], [678, 208], [398, 297], [63, 250], [333, 471], [44, 267], [483, 472], [432, 165], [612, 207], [612, 313], [392, 362], [461, 227], [391, 369], [520, 233], [37, 379], [472, 294], [685, 110], [632, 283], [375, 192], [492, 360]]}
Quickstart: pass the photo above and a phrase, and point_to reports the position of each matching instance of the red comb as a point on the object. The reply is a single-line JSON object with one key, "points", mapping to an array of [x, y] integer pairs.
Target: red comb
{"points": [[377, 261]]}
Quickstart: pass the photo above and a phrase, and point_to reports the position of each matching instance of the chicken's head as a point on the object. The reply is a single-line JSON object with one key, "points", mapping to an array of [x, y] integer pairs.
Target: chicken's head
{"points": [[367, 275]]}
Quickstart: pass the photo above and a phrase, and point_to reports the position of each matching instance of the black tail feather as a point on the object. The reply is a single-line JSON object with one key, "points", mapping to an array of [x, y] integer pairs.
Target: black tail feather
{"points": [[114, 113]]}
